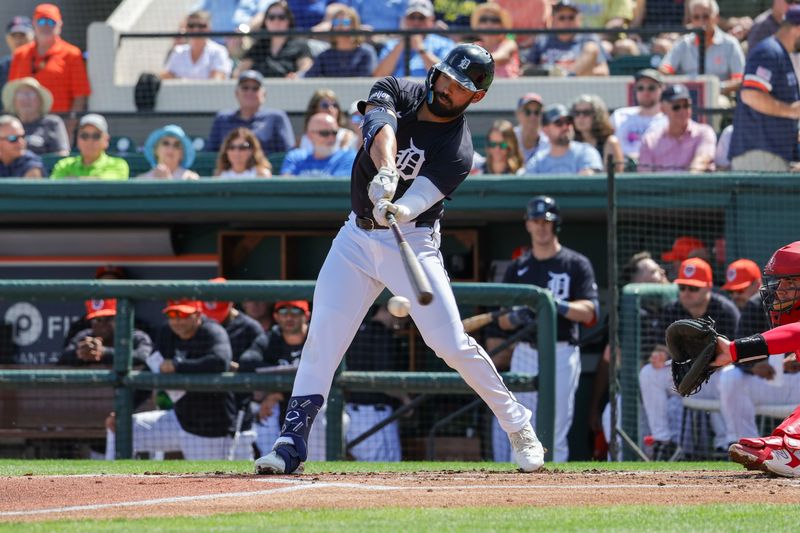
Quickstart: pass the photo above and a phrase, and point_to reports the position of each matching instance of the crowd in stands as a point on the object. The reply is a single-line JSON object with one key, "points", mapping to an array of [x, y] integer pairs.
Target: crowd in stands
{"points": [[46, 86]]}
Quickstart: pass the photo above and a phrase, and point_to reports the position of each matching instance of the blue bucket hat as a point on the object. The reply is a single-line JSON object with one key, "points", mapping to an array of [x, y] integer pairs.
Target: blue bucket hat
{"points": [[170, 130]]}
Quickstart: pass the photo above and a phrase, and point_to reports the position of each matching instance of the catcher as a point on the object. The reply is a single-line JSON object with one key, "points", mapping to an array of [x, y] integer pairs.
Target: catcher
{"points": [[700, 352]]}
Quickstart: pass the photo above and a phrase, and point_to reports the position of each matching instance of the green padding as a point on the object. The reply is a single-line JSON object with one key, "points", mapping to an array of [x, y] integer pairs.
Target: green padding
{"points": [[629, 65], [56, 379]]}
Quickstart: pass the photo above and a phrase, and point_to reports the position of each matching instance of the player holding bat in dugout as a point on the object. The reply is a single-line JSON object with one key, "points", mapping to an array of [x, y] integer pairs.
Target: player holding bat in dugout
{"points": [[417, 151]]}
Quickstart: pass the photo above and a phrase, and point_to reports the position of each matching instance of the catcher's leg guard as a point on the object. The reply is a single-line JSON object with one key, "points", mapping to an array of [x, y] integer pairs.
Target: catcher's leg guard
{"points": [[777, 454], [291, 448]]}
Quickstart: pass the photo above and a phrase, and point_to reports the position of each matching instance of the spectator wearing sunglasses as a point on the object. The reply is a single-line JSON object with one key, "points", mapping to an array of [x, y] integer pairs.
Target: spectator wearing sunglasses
{"points": [[592, 126], [695, 299], [631, 123], [529, 125], [271, 126], [15, 160], [325, 159], [93, 162], [326, 101], [278, 56], [170, 154], [681, 145], [564, 156], [55, 63], [504, 50], [503, 155], [241, 157], [201, 58], [348, 55], [567, 54], [724, 55]]}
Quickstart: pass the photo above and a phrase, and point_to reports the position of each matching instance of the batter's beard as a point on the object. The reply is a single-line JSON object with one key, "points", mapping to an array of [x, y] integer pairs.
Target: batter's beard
{"points": [[439, 110]]}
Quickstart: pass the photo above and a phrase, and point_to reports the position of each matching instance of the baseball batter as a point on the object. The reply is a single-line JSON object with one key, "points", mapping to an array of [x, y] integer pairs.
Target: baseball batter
{"points": [[417, 150]]}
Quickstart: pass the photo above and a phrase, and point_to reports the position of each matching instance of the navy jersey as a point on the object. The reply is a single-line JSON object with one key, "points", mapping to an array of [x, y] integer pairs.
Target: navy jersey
{"points": [[242, 331], [270, 349], [442, 152], [721, 309], [768, 69], [208, 414], [568, 275]]}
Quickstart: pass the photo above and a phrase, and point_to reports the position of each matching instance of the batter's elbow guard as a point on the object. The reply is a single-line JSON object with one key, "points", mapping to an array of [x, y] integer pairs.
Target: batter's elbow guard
{"points": [[374, 120]]}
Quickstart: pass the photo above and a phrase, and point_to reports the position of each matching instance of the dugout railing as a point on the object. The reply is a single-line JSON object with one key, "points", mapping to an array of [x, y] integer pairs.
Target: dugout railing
{"points": [[125, 381]]}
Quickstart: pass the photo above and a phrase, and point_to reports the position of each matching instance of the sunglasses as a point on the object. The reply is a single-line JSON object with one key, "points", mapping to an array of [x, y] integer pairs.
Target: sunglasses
{"points": [[566, 18], [678, 107], [240, 147], [86, 136], [532, 112], [689, 288], [170, 144], [337, 23], [327, 133], [177, 314], [417, 17], [102, 319], [701, 17], [493, 144], [648, 88], [249, 87], [296, 311], [562, 122], [325, 104], [582, 112], [196, 26], [489, 20], [277, 16], [44, 21], [11, 138]]}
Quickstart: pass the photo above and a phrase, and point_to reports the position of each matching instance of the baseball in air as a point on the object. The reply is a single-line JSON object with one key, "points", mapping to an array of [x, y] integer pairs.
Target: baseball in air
{"points": [[399, 306]]}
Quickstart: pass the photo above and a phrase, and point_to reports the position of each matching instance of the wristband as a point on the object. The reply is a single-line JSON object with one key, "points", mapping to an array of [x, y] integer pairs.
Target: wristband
{"points": [[562, 306]]}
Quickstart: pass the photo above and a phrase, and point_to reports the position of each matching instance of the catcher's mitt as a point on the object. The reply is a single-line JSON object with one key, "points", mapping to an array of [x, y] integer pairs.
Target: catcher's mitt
{"points": [[692, 342]]}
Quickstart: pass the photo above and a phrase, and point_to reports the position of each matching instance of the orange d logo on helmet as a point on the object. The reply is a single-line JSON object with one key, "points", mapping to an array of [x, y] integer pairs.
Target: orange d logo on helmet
{"points": [[217, 311]]}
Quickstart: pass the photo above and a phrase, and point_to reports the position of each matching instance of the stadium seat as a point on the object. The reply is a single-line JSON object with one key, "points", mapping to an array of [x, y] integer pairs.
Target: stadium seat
{"points": [[630, 65]]}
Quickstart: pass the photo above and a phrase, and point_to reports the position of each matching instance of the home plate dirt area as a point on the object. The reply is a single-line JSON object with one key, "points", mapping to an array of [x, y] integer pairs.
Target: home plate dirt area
{"points": [[108, 496]]}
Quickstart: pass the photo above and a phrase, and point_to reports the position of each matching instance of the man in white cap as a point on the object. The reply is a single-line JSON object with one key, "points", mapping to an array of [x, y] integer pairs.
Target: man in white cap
{"points": [[93, 161]]}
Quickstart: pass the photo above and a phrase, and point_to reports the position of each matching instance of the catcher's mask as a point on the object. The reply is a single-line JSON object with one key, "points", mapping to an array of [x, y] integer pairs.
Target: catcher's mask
{"points": [[469, 64], [780, 291]]}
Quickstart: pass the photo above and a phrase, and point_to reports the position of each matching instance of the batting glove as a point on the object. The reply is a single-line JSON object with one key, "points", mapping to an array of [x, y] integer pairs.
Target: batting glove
{"points": [[521, 315], [383, 185], [383, 206]]}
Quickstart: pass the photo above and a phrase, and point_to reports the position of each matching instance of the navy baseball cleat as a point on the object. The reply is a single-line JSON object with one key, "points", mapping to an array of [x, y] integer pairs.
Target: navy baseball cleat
{"points": [[528, 451], [283, 459], [291, 448]]}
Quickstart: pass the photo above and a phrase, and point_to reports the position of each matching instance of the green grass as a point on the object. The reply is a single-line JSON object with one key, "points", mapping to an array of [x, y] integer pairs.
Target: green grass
{"points": [[745, 517], [10, 467]]}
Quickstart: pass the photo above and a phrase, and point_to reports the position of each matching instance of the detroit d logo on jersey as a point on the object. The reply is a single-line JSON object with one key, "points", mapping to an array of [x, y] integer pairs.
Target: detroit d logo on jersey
{"points": [[559, 284], [409, 161]]}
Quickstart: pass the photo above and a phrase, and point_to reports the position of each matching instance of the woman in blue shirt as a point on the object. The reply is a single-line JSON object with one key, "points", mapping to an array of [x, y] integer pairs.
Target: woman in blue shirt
{"points": [[348, 56]]}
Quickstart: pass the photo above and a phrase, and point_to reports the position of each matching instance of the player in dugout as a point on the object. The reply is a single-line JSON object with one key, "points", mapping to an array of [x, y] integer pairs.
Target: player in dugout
{"points": [[418, 132]]}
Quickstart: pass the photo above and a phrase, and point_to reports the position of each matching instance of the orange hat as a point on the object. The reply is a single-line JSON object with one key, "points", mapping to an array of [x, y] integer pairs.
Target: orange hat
{"points": [[98, 308], [682, 248], [184, 305], [741, 274], [695, 272], [217, 311], [47, 11], [301, 304]]}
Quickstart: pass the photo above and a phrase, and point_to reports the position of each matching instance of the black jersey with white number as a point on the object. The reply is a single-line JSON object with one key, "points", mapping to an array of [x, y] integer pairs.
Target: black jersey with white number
{"points": [[442, 152], [568, 275]]}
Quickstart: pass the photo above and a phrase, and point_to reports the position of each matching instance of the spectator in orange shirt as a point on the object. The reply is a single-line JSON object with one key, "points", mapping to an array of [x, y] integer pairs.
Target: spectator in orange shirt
{"points": [[55, 63]]}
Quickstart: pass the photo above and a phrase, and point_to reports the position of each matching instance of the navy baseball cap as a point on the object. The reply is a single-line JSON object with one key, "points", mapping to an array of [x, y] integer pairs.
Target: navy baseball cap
{"points": [[19, 24], [252, 75], [553, 112], [676, 92]]}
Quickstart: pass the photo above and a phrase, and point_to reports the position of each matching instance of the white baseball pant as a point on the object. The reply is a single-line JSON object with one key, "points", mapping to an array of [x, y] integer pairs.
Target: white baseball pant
{"points": [[741, 393], [157, 432], [525, 358], [664, 408], [358, 266], [381, 446]]}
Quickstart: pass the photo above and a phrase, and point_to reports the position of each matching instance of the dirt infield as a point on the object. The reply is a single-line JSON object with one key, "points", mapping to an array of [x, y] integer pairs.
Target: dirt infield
{"points": [[58, 497]]}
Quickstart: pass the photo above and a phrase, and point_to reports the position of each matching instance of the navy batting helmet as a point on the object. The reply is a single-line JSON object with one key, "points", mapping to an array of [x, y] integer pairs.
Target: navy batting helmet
{"points": [[469, 64], [544, 207]]}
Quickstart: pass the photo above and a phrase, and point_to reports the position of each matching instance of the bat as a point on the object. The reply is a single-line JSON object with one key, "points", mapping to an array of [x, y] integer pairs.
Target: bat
{"points": [[419, 280], [476, 322]]}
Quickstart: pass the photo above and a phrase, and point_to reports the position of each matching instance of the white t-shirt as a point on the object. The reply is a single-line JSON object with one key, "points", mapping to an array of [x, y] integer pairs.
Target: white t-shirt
{"points": [[232, 174], [214, 57], [630, 126]]}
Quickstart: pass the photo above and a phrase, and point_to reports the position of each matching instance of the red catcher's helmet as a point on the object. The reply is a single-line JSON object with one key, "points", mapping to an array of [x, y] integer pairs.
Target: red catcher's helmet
{"points": [[780, 291]]}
